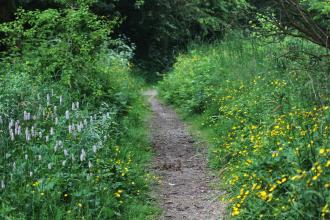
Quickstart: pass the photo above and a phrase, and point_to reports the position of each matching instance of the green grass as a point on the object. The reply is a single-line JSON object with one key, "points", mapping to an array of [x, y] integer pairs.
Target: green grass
{"points": [[266, 119]]}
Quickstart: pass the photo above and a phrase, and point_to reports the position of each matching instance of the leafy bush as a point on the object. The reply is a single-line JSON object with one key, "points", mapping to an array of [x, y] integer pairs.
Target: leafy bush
{"points": [[270, 132]]}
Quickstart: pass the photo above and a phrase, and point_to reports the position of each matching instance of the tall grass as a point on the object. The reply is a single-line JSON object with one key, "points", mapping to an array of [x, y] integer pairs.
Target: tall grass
{"points": [[269, 117]]}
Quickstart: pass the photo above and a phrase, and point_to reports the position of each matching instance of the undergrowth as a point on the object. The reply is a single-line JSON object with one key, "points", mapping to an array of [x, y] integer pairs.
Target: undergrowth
{"points": [[269, 116], [72, 122]]}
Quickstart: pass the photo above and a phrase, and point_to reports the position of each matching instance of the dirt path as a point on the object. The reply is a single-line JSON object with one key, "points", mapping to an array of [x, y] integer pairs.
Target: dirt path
{"points": [[185, 188]]}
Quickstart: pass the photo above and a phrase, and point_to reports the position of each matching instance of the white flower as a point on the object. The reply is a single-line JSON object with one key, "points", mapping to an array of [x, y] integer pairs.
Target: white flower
{"points": [[82, 155], [94, 148], [48, 99], [56, 121], [47, 139], [61, 100], [33, 132], [73, 107], [70, 129], [85, 122], [26, 156], [63, 162], [25, 116], [31, 173], [14, 166], [39, 157], [12, 135], [77, 105], [27, 135], [55, 110], [90, 165], [52, 131], [66, 152], [40, 134], [67, 115], [11, 123], [52, 92], [49, 166], [2, 184]]}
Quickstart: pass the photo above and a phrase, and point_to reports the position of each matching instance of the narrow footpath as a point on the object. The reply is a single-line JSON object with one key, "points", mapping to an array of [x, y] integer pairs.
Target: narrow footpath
{"points": [[185, 180]]}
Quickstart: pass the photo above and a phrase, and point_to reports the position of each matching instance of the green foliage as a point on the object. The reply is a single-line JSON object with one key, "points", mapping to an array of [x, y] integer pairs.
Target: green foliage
{"points": [[270, 135], [68, 108]]}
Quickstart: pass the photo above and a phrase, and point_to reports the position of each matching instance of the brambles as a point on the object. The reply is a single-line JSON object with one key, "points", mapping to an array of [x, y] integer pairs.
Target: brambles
{"points": [[270, 137]]}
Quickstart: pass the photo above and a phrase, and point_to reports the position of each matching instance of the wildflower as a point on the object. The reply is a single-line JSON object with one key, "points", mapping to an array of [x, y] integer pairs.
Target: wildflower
{"points": [[322, 151], [77, 105], [235, 211], [17, 127], [55, 110], [52, 131], [31, 173], [42, 194], [27, 135], [47, 139], [39, 157], [11, 123], [2, 184], [65, 152], [49, 166], [263, 195], [82, 155], [73, 107], [70, 129], [85, 122], [56, 121], [33, 132], [61, 100], [90, 165], [79, 204], [64, 163], [40, 134], [67, 115], [94, 148], [12, 135], [26, 156], [14, 166], [48, 99], [325, 210]]}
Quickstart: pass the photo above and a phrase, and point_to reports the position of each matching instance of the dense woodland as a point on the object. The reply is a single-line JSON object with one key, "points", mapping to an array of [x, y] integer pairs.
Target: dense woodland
{"points": [[253, 75]]}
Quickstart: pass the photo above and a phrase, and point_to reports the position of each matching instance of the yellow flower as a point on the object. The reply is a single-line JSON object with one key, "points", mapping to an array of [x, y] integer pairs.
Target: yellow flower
{"points": [[263, 195], [322, 151], [235, 211]]}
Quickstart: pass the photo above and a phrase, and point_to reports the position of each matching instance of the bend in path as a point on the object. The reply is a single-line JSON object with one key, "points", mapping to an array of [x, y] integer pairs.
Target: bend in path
{"points": [[185, 188]]}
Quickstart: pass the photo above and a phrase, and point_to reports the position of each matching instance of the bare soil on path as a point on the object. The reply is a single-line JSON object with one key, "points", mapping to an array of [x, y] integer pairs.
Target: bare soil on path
{"points": [[185, 187]]}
